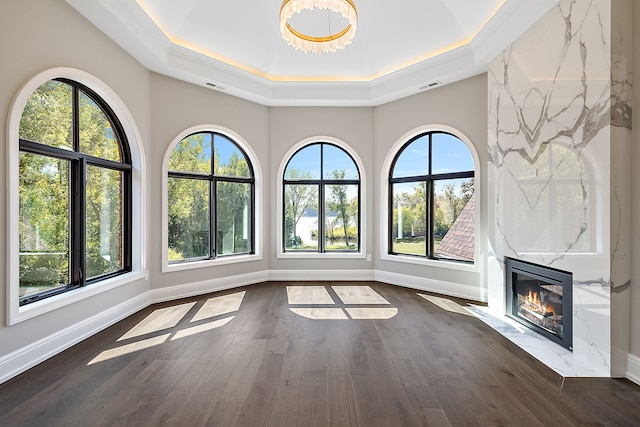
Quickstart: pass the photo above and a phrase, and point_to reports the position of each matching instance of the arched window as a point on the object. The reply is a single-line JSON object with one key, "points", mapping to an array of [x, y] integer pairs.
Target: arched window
{"points": [[75, 192], [431, 199], [321, 198], [210, 199]]}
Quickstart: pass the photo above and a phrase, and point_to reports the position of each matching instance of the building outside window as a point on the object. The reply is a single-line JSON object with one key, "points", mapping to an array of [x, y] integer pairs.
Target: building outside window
{"points": [[75, 189], [431, 199], [321, 198], [211, 199]]}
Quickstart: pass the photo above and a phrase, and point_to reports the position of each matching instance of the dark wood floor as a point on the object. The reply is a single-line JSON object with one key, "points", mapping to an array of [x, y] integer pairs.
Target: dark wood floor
{"points": [[325, 355]]}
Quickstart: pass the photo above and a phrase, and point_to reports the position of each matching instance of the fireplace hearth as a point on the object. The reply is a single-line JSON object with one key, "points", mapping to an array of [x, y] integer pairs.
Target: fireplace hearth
{"points": [[540, 298]]}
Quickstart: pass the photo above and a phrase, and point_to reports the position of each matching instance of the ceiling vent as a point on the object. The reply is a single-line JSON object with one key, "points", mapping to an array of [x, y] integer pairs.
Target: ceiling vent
{"points": [[214, 86], [431, 85]]}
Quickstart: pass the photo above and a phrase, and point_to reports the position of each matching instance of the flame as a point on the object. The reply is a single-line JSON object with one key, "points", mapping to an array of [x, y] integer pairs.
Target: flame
{"points": [[534, 299]]}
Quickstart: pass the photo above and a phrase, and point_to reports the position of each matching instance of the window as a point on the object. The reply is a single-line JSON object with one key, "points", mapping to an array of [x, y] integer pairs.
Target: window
{"points": [[431, 199], [75, 192], [210, 199], [321, 200]]}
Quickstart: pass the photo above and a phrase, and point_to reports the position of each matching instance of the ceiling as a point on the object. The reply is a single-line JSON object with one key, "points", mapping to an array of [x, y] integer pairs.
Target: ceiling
{"points": [[402, 47]]}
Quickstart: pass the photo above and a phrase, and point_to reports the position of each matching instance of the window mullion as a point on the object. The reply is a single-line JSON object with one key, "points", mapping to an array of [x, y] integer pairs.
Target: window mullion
{"points": [[321, 218], [213, 214], [430, 240], [77, 222]]}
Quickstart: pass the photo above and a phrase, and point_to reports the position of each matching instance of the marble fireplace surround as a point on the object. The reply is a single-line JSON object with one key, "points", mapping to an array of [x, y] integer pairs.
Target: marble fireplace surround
{"points": [[559, 176]]}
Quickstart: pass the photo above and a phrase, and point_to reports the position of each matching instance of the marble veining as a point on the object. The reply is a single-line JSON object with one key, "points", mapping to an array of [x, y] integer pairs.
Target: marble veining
{"points": [[559, 125]]}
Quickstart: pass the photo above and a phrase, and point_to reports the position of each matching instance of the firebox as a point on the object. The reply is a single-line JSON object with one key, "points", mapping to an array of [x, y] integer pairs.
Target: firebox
{"points": [[540, 298]]}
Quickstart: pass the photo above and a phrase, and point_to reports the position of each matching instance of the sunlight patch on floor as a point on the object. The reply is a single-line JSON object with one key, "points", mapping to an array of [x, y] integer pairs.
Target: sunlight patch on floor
{"points": [[129, 348], [447, 304], [320, 313], [220, 305], [363, 313], [162, 318], [308, 295], [359, 295], [183, 333]]}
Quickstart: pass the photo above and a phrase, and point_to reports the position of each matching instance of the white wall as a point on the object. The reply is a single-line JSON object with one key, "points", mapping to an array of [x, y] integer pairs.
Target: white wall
{"points": [[353, 127], [175, 107], [461, 106]]}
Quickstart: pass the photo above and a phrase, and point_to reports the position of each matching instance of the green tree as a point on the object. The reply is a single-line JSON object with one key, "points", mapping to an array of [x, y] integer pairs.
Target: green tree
{"points": [[44, 186], [466, 190], [188, 199], [234, 206], [297, 199], [452, 201], [340, 203]]}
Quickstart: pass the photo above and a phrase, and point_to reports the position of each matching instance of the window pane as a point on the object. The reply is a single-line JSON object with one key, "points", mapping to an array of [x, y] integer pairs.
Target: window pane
{"points": [[44, 223], [188, 228], [305, 164], [414, 160], [449, 154], [192, 154], [104, 221], [341, 218], [228, 159], [47, 116], [301, 217], [454, 219], [409, 218], [233, 227], [97, 136], [337, 164]]}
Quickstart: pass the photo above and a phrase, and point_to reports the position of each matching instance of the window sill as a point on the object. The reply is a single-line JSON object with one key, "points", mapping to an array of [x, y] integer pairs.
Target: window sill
{"points": [[325, 255], [452, 265], [20, 314], [190, 265]]}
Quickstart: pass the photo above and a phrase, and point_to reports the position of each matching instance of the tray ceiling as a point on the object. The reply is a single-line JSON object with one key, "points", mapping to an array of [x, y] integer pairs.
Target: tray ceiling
{"points": [[401, 47]]}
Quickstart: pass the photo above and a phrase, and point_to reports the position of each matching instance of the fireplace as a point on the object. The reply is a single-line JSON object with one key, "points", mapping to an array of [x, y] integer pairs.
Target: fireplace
{"points": [[540, 298]]}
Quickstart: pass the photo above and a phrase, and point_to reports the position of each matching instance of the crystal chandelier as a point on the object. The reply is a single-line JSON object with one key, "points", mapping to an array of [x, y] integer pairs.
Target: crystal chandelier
{"points": [[312, 44]]}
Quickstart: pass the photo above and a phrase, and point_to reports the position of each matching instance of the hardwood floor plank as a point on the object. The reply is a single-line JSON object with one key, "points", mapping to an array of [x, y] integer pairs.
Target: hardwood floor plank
{"points": [[286, 398], [314, 400], [256, 408]]}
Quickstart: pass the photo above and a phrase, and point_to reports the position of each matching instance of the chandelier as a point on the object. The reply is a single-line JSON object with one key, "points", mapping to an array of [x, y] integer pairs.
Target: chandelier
{"points": [[313, 44]]}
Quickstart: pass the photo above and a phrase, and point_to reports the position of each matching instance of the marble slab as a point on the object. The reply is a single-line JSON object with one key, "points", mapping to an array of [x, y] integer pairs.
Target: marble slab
{"points": [[559, 108]]}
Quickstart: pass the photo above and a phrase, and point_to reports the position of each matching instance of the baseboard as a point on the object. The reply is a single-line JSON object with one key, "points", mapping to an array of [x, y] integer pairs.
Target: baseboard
{"points": [[207, 286], [430, 285], [633, 368], [320, 275], [29, 356]]}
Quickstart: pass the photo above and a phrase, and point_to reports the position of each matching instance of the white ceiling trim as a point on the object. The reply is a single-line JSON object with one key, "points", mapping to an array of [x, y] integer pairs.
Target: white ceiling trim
{"points": [[129, 26]]}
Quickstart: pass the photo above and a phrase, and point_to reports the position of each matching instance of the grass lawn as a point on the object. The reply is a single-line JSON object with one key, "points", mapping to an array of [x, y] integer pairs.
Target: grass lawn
{"points": [[414, 248]]}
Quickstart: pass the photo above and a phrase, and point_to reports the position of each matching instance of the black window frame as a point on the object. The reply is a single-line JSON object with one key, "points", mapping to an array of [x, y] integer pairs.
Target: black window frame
{"points": [[78, 163], [213, 181], [321, 183], [429, 180]]}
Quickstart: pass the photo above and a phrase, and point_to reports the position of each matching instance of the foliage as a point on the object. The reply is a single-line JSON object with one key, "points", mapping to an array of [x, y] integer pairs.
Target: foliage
{"points": [[189, 210], [298, 198], [339, 203], [412, 207], [44, 188]]}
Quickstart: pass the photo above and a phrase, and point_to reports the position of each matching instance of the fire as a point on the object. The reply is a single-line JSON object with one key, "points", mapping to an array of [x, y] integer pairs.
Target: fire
{"points": [[533, 298]]}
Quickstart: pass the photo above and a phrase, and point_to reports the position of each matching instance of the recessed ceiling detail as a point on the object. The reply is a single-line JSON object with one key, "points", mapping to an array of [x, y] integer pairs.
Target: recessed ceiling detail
{"points": [[399, 46]]}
